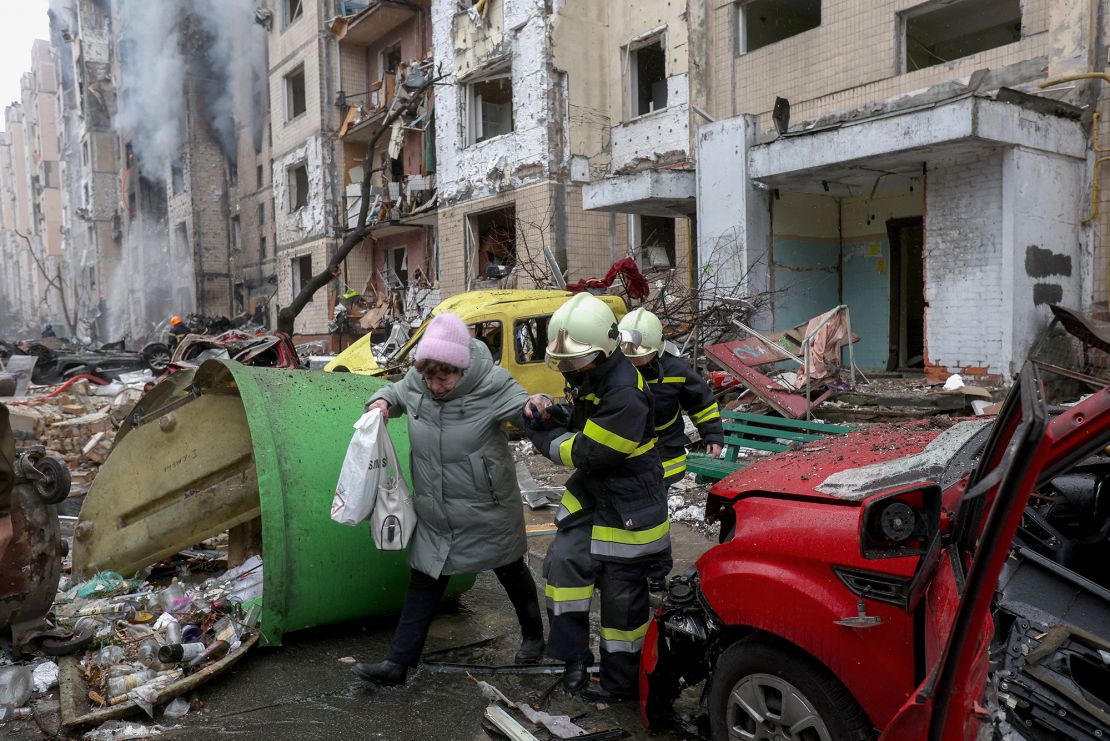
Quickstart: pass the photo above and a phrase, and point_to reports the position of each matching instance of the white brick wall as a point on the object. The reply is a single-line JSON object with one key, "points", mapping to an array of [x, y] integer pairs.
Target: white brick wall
{"points": [[968, 312]]}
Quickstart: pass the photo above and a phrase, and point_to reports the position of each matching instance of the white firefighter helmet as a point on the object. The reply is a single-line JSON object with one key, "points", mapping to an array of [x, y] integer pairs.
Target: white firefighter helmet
{"points": [[641, 336], [580, 330]]}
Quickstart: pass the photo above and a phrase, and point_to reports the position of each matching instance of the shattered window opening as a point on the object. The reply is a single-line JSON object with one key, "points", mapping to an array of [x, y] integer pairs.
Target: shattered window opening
{"points": [[647, 68], [654, 241], [760, 23], [296, 181], [236, 233], [942, 32], [495, 233], [291, 11], [295, 101], [301, 272], [490, 103], [259, 176], [181, 239], [530, 339], [400, 264], [262, 248], [261, 214], [391, 59], [177, 175]]}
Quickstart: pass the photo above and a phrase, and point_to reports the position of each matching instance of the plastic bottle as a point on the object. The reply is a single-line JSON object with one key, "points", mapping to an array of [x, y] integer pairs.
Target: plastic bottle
{"points": [[16, 683], [216, 650], [122, 685], [148, 654], [107, 656], [176, 653], [191, 634], [174, 632]]}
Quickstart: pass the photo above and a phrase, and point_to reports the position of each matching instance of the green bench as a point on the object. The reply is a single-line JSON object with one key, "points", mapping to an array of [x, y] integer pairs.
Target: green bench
{"points": [[757, 432]]}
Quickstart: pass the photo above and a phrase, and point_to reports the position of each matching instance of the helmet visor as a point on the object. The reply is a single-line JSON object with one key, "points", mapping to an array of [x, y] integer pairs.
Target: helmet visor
{"points": [[631, 344], [570, 365]]}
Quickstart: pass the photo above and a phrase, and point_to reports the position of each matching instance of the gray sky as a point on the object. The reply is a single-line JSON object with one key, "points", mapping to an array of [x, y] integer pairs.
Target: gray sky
{"points": [[21, 22]]}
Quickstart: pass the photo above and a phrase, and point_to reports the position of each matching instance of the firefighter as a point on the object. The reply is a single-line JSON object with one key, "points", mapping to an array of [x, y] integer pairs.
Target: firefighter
{"points": [[612, 519], [178, 330], [676, 389]]}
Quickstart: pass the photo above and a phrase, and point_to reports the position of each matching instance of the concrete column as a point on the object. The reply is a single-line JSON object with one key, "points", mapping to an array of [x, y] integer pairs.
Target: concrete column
{"points": [[734, 217]]}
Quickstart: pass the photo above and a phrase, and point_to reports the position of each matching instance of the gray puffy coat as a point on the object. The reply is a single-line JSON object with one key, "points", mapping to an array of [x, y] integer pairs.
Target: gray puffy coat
{"points": [[469, 513]]}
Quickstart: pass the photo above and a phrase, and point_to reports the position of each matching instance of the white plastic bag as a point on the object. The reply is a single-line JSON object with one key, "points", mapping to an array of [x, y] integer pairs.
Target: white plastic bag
{"points": [[394, 516], [363, 471]]}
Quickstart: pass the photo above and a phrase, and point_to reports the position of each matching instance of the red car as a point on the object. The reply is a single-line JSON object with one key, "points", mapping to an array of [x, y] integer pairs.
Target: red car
{"points": [[856, 590]]}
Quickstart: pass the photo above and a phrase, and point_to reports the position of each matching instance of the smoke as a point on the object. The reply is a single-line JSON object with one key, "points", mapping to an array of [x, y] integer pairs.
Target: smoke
{"points": [[236, 84]]}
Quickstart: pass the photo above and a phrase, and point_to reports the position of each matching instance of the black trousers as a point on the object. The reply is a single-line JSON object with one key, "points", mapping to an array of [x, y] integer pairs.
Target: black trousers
{"points": [[425, 592]]}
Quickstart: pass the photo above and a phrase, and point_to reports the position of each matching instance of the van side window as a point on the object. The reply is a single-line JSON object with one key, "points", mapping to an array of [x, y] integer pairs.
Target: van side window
{"points": [[530, 337], [491, 335]]}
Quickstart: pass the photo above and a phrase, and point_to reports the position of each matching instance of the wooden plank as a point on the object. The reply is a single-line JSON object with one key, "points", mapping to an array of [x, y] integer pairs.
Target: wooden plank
{"points": [[794, 424], [754, 444], [78, 688], [770, 432]]}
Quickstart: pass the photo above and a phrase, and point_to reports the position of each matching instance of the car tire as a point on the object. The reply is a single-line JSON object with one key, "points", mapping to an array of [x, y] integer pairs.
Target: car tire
{"points": [[760, 674], [157, 356], [54, 486]]}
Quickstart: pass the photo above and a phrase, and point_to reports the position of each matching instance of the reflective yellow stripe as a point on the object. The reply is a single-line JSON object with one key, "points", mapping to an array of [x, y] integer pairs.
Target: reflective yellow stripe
{"points": [[591, 397], [665, 425], [568, 594], [570, 502], [631, 537], [644, 448], [675, 460], [564, 451], [602, 436], [673, 379], [639, 381], [614, 634], [710, 412], [675, 472]]}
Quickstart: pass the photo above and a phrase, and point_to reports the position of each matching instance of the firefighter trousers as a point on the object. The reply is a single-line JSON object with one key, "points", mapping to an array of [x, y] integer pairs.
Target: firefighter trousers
{"points": [[572, 574]]}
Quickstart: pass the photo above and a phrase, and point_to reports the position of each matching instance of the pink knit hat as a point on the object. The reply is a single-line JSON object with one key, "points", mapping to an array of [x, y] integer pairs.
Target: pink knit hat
{"points": [[446, 340]]}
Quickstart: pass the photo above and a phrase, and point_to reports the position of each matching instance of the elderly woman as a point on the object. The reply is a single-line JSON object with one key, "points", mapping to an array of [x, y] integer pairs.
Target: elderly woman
{"points": [[469, 512]]}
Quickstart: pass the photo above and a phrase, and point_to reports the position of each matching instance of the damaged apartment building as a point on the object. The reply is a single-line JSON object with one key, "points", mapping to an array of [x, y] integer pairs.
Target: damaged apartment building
{"points": [[928, 164], [31, 251]]}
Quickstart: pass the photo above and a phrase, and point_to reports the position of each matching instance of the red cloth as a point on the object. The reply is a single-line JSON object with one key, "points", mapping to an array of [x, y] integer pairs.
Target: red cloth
{"points": [[634, 281]]}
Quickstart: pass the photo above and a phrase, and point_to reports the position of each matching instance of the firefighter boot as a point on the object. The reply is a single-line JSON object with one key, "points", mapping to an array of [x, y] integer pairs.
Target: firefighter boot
{"points": [[384, 672]]}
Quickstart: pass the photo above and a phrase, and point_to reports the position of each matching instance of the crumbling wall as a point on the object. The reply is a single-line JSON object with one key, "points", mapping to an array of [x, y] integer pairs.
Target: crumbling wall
{"points": [[466, 171], [310, 220], [662, 135]]}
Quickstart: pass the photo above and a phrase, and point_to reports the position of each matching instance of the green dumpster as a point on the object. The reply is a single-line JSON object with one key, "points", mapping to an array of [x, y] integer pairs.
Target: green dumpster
{"points": [[255, 452]]}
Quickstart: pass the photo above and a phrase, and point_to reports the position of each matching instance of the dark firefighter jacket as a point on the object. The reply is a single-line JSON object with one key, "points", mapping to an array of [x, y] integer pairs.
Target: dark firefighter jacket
{"points": [[617, 486], [676, 388]]}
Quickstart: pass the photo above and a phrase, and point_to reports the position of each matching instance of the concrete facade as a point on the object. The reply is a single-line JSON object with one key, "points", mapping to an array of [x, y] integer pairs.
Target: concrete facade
{"points": [[946, 219]]}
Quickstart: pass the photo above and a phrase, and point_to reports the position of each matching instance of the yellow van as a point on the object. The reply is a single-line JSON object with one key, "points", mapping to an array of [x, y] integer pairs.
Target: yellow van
{"points": [[491, 316]]}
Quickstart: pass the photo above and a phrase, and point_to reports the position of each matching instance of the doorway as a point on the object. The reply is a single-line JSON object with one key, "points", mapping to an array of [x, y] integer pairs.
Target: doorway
{"points": [[907, 293]]}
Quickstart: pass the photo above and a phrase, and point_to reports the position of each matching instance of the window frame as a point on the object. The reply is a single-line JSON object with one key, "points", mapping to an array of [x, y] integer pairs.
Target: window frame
{"points": [[740, 28], [287, 79], [293, 192], [473, 118], [286, 20], [632, 95]]}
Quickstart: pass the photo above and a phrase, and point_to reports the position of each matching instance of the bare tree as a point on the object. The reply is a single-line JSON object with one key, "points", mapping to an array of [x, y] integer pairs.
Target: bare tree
{"points": [[57, 283], [402, 106]]}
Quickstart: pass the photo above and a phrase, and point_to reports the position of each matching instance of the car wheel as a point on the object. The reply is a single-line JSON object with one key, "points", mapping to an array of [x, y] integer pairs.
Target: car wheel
{"points": [[54, 485], [765, 690], [157, 356]]}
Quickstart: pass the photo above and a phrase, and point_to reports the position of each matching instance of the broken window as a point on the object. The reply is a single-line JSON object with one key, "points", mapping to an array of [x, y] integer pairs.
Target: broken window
{"points": [[296, 182], [489, 333], [400, 264], [647, 69], [760, 23], [261, 214], [295, 103], [181, 239], [259, 176], [530, 339], [942, 31], [291, 10], [391, 59], [495, 235], [177, 175], [261, 248], [232, 174], [302, 272], [653, 241], [490, 103], [236, 233]]}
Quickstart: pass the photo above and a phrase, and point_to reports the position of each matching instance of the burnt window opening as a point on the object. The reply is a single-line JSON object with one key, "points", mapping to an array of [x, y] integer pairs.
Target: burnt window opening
{"points": [[391, 59], [232, 174], [490, 103], [261, 214], [240, 298], [261, 248], [181, 239], [302, 272], [292, 10], [296, 182], [647, 67], [177, 176], [295, 101], [495, 235], [259, 176], [655, 241], [236, 233], [942, 32], [760, 23]]}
